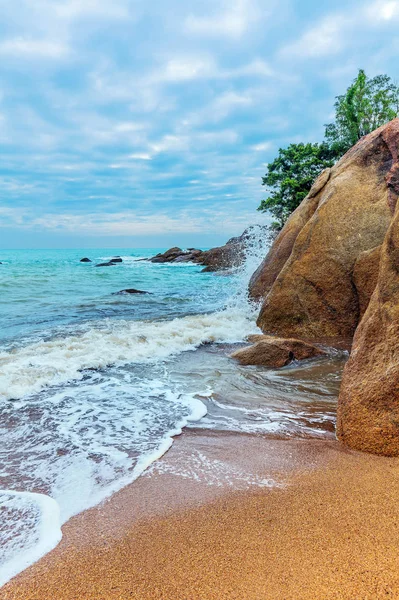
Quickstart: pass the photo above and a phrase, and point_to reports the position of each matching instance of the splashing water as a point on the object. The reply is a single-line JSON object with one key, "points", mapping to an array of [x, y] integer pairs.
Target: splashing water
{"points": [[93, 386], [87, 401]]}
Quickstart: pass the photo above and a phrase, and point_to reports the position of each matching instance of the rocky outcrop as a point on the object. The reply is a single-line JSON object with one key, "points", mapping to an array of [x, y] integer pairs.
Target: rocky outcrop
{"points": [[117, 259], [262, 280], [368, 407], [275, 352], [106, 264], [230, 255], [169, 256], [85, 260], [365, 276], [311, 278]]}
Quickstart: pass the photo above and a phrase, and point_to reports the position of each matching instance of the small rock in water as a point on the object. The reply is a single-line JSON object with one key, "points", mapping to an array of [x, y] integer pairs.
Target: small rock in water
{"points": [[132, 291], [106, 264], [117, 259], [275, 352], [85, 260]]}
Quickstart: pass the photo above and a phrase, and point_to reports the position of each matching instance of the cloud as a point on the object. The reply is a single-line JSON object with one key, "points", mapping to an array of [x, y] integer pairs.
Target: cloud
{"points": [[33, 48], [383, 10], [233, 21], [129, 223], [74, 9], [124, 116], [325, 38]]}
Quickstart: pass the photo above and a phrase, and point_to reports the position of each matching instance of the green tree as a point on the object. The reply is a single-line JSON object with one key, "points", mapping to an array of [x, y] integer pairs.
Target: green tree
{"points": [[290, 176], [367, 104]]}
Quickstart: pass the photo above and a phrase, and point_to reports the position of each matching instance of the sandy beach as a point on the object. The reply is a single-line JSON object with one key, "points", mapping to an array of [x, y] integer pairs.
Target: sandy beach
{"points": [[227, 516]]}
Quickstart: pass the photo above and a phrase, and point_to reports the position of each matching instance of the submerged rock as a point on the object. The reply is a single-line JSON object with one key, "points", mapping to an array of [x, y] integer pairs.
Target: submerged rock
{"points": [[85, 260], [276, 352], [106, 264], [311, 276], [368, 406], [132, 291]]}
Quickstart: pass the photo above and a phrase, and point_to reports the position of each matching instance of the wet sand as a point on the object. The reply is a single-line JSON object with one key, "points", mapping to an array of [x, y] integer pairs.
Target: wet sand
{"points": [[227, 516]]}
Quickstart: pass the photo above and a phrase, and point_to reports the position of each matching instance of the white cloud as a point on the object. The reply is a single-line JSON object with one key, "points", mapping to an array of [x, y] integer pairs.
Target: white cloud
{"points": [[183, 69], [73, 9], [140, 156], [233, 22], [32, 48], [263, 147], [324, 38], [130, 223], [383, 10]]}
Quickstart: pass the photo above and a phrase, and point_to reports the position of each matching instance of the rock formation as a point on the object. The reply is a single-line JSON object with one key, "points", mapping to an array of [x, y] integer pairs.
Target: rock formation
{"points": [[313, 280], [230, 255], [275, 352], [85, 260], [368, 407]]}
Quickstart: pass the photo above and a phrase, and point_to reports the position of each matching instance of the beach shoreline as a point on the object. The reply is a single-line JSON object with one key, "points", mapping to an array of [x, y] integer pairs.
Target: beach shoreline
{"points": [[225, 515]]}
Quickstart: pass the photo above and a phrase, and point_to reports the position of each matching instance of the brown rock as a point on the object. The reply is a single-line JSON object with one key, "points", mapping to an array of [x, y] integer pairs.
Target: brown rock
{"points": [[275, 352], [168, 256], [368, 408], [365, 276], [230, 255], [266, 274], [308, 274]]}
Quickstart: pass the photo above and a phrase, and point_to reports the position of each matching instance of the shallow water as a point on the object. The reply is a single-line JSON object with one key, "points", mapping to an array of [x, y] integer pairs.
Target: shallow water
{"points": [[93, 386]]}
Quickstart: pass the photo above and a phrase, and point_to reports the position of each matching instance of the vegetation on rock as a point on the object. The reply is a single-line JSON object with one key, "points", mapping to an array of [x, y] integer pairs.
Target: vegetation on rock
{"points": [[366, 105]]}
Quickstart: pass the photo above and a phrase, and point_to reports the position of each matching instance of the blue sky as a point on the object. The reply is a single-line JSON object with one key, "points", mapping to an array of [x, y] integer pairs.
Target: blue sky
{"points": [[149, 123]]}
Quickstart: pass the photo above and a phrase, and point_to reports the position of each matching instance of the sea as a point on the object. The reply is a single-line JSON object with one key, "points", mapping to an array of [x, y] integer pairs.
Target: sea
{"points": [[95, 384]]}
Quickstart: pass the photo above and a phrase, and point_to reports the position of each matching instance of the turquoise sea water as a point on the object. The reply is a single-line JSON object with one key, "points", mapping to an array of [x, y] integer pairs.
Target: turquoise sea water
{"points": [[95, 384], [45, 289]]}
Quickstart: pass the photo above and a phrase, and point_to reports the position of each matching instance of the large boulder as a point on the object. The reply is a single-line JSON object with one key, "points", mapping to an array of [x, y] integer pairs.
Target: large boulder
{"points": [[365, 276], [307, 279], [368, 407], [275, 352], [267, 272]]}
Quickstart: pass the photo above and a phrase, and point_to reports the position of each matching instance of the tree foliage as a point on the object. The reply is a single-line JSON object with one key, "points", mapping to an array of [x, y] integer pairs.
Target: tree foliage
{"points": [[290, 177], [367, 104]]}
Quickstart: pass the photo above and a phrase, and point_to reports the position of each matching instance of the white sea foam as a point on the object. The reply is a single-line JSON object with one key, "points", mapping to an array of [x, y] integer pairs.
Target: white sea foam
{"points": [[106, 444], [30, 369], [30, 528], [80, 434]]}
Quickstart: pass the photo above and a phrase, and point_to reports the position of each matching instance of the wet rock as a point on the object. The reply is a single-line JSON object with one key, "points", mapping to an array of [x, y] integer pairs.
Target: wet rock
{"points": [[276, 352], [117, 259], [307, 279], [229, 256], [85, 260], [132, 291], [168, 256], [368, 406], [106, 264]]}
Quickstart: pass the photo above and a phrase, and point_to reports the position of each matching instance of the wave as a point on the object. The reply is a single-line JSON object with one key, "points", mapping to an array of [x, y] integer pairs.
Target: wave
{"points": [[41, 364], [31, 522]]}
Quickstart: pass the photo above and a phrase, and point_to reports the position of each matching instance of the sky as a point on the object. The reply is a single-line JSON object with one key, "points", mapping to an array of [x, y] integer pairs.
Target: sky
{"points": [[150, 123]]}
